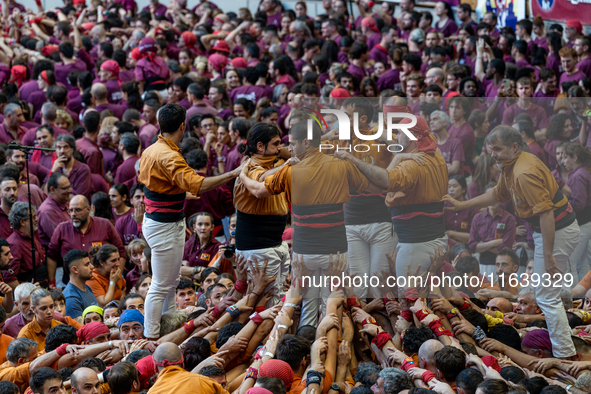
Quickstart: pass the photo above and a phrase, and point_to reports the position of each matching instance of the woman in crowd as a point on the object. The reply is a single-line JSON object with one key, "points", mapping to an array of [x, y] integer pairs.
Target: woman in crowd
{"points": [[119, 197], [202, 246]]}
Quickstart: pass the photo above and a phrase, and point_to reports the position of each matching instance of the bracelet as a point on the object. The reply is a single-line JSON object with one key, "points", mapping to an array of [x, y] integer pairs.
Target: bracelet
{"points": [[290, 304], [259, 352], [260, 309], [110, 344], [61, 350], [252, 373], [269, 354], [189, 326], [314, 377], [368, 320], [568, 387], [233, 311], [283, 326], [256, 318], [241, 286], [111, 283]]}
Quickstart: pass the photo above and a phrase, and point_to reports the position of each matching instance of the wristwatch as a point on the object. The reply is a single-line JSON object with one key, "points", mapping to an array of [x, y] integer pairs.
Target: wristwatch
{"points": [[335, 387]]}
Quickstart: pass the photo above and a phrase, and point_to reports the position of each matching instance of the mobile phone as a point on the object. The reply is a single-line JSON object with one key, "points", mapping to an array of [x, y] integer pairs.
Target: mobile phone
{"points": [[506, 85]]}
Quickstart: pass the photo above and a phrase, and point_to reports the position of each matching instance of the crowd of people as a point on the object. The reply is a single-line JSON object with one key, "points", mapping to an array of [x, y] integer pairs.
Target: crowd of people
{"points": [[193, 201]]}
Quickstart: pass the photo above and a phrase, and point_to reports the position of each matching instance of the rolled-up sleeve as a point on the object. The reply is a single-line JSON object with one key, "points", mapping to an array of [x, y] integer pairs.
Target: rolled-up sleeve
{"points": [[280, 182], [403, 176], [184, 176]]}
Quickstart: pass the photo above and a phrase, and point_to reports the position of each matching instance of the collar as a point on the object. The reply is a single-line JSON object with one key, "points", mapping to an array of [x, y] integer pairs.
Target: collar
{"points": [[508, 164], [263, 161], [36, 327], [309, 153], [21, 234], [62, 207], [168, 142], [90, 221], [499, 213]]}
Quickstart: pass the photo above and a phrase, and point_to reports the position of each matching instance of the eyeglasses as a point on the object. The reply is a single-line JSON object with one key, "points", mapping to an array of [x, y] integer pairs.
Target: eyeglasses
{"points": [[76, 210], [65, 188]]}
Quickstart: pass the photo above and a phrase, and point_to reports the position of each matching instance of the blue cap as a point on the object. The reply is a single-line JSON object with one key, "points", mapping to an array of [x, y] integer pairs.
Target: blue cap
{"points": [[131, 315]]}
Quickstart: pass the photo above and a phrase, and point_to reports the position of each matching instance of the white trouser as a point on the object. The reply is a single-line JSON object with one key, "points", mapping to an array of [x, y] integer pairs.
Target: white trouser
{"points": [[547, 296], [413, 255], [316, 291], [368, 245], [278, 264], [167, 241], [579, 260]]}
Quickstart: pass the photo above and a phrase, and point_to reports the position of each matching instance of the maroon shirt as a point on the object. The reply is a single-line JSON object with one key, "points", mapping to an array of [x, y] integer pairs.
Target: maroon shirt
{"points": [[199, 109], [118, 110], [537, 113], [92, 154], [390, 80], [466, 135], [196, 255], [37, 194], [30, 137], [486, 228], [22, 262], [117, 217], [218, 202], [577, 76], [50, 214], [452, 151], [126, 170], [460, 221], [62, 71], [252, 92], [379, 54], [27, 89], [146, 133], [132, 277], [550, 149], [579, 181], [128, 229], [358, 72], [6, 135], [67, 237], [536, 149], [5, 229], [80, 179]]}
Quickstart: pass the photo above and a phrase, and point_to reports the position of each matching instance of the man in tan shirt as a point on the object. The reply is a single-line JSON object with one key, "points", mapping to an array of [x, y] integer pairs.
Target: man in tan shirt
{"points": [[167, 178]]}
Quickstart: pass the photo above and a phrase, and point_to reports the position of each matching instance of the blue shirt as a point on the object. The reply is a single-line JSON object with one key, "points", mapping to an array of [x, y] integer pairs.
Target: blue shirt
{"points": [[77, 300]]}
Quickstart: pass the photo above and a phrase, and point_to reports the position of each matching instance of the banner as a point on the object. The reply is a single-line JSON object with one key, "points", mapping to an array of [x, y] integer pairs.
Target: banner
{"points": [[563, 10], [508, 11]]}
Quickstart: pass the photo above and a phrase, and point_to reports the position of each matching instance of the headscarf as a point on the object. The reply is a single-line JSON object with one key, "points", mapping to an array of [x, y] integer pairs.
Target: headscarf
{"points": [[368, 21], [131, 315], [340, 93], [113, 67], [49, 49], [575, 24], [44, 76], [135, 54], [277, 369], [537, 339], [145, 367], [492, 362], [149, 48], [76, 2], [189, 38], [426, 141], [218, 61], [90, 309], [91, 331], [239, 62], [221, 46], [18, 74], [258, 390]]}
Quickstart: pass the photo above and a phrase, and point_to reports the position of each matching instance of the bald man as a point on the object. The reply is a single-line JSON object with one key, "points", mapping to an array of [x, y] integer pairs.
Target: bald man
{"points": [[436, 76], [500, 304], [85, 381], [100, 94], [427, 354], [173, 378], [81, 232]]}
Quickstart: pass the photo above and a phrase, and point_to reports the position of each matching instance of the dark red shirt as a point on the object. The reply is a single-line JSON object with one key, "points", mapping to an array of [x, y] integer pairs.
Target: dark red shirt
{"points": [[92, 154], [80, 179], [196, 255], [50, 214], [66, 237], [6, 135], [22, 262], [5, 229], [126, 170], [128, 229]]}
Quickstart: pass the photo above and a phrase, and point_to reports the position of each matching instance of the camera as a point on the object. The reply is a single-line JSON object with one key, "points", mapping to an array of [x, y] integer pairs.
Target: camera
{"points": [[229, 251]]}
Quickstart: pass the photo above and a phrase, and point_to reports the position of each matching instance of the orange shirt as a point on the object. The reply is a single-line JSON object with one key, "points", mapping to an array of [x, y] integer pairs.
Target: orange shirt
{"points": [[34, 331], [377, 154], [317, 179], [411, 183], [177, 380], [245, 202], [4, 342], [99, 285], [18, 375], [527, 181], [164, 170]]}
